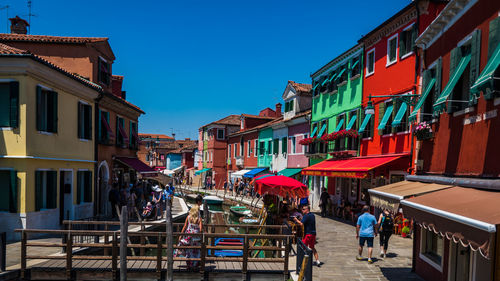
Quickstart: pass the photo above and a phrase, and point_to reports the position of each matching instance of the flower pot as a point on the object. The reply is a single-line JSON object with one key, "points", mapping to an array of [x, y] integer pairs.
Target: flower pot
{"points": [[423, 135], [403, 235]]}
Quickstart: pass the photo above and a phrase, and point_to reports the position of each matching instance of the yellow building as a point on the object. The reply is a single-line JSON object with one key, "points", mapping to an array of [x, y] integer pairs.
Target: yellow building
{"points": [[47, 148]]}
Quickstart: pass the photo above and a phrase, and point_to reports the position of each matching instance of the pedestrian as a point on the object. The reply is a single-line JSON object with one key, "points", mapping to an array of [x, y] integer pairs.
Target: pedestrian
{"points": [[131, 203], [309, 224], [366, 230], [114, 199], [386, 223], [225, 186], [323, 199], [193, 224]]}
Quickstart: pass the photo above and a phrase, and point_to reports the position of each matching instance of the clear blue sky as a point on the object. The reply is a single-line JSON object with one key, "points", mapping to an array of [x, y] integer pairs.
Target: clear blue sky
{"points": [[187, 63]]}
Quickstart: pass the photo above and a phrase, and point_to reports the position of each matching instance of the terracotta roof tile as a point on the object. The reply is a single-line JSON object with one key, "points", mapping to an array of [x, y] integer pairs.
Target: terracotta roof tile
{"points": [[50, 39], [300, 87], [161, 136], [258, 116]]}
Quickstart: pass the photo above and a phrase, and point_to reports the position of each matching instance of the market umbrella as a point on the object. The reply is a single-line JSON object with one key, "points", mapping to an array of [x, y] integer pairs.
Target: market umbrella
{"points": [[281, 186]]}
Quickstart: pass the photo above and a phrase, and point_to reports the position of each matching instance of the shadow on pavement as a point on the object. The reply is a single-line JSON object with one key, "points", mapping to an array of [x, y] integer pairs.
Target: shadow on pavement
{"points": [[399, 274]]}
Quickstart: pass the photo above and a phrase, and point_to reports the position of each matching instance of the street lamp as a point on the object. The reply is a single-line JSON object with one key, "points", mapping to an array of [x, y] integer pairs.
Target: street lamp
{"points": [[369, 108]]}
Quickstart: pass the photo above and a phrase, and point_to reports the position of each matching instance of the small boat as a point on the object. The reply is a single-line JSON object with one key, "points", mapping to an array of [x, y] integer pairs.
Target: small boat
{"points": [[213, 200], [240, 211], [228, 242], [249, 220]]}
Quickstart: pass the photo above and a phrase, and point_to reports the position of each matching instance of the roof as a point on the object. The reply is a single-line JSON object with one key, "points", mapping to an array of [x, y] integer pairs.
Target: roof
{"points": [[125, 102], [257, 116], [300, 87], [338, 60], [8, 51], [50, 39], [256, 128], [228, 120], [161, 136]]}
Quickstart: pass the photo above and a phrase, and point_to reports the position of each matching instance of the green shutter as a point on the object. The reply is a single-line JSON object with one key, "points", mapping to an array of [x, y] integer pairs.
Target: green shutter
{"points": [[395, 105], [454, 57], [40, 114], [291, 105], [79, 187], [88, 187], [80, 120], [284, 145], [51, 189], [414, 35], [474, 64], [402, 43], [118, 134], [439, 71], [494, 36], [276, 143], [130, 134], [13, 192], [99, 124], [53, 96], [14, 104], [89, 122], [381, 112], [38, 190]]}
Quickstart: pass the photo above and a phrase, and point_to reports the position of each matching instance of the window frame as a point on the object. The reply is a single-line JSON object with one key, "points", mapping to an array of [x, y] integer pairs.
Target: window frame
{"points": [[44, 190], [87, 189], [84, 126], [12, 107], [407, 30], [43, 110], [293, 145], [249, 150], [424, 253], [255, 148], [396, 38], [223, 134], [368, 73], [104, 79]]}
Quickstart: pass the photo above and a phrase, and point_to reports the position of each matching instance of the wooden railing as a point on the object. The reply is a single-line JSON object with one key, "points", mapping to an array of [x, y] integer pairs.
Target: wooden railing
{"points": [[110, 242]]}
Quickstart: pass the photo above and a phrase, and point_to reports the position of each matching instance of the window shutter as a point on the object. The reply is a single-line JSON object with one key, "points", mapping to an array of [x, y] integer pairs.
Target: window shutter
{"points": [[53, 96], [51, 189], [88, 131], [396, 103], [118, 134], [284, 145], [130, 135], [80, 120], [437, 86], [276, 146], [14, 104], [88, 187], [453, 60], [290, 107], [494, 36], [99, 124], [79, 178], [402, 43], [474, 63], [38, 190], [381, 111], [39, 110], [414, 35], [13, 192]]}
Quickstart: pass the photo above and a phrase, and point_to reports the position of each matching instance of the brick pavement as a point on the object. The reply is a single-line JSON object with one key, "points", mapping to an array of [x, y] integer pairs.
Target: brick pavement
{"points": [[337, 248]]}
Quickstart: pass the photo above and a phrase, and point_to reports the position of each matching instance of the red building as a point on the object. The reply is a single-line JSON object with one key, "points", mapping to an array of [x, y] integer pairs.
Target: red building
{"points": [[456, 229]]}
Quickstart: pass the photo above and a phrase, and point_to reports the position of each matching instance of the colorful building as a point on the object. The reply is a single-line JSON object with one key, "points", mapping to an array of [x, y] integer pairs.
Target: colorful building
{"points": [[150, 149], [47, 159]]}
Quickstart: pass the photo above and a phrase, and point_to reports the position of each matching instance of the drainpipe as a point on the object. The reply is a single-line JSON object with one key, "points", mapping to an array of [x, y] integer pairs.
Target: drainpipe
{"points": [[412, 169], [96, 151]]}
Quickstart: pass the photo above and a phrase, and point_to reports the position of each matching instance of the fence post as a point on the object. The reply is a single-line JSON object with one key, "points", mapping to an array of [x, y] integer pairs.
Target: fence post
{"points": [[158, 257], [303, 269], [203, 255], [114, 254], [69, 254], [23, 255], [245, 258], [3, 250], [106, 239], [169, 241], [123, 243], [287, 254]]}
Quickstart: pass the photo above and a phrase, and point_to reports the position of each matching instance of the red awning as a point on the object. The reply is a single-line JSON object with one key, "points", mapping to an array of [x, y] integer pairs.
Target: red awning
{"points": [[106, 125], [357, 167], [136, 164]]}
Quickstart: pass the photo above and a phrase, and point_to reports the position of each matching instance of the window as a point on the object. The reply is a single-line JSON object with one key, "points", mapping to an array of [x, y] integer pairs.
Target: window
{"points": [[432, 74], [370, 62], [293, 149], [105, 132], [147, 157], [220, 134], [276, 145], [432, 246], [45, 190], [262, 148], [8, 189], [84, 187], [269, 146], [284, 145], [9, 104], [392, 49], [385, 118], [255, 148], [242, 147], [46, 110], [366, 125], [342, 75], [249, 151], [290, 106], [104, 72], [316, 87], [84, 121], [235, 150], [229, 151], [305, 148], [121, 138], [400, 108], [133, 136], [407, 40], [356, 66]]}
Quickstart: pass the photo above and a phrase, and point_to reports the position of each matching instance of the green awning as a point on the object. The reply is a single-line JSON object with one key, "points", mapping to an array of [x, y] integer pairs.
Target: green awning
{"points": [[385, 118], [323, 129], [440, 103], [314, 88], [314, 131], [324, 82], [365, 123], [399, 116], [333, 77], [356, 63], [421, 100], [289, 172], [351, 122], [202, 171], [339, 125], [340, 73], [485, 79]]}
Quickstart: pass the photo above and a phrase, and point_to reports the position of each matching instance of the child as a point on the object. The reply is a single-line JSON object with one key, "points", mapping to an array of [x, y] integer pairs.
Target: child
{"points": [[147, 209]]}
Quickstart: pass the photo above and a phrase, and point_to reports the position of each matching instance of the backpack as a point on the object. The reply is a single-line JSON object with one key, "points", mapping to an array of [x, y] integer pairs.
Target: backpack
{"points": [[387, 224]]}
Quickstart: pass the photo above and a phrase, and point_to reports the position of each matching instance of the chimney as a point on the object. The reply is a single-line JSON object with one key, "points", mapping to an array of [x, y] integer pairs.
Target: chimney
{"points": [[173, 136], [278, 109], [18, 25]]}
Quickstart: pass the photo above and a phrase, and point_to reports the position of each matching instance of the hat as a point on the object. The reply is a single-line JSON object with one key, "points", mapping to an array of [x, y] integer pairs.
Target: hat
{"points": [[157, 188]]}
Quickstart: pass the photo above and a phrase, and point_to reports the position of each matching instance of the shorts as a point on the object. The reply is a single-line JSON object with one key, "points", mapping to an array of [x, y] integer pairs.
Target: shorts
{"points": [[369, 241], [309, 240]]}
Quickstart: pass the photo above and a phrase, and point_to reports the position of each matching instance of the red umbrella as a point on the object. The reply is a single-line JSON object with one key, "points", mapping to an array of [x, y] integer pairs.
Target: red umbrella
{"points": [[281, 186]]}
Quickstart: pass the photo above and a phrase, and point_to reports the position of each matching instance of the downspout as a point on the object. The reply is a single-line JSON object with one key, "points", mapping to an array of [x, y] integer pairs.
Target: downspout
{"points": [[96, 151], [412, 169]]}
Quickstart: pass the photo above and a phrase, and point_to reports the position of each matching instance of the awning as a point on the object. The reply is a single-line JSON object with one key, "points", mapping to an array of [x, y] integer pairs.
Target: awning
{"points": [[351, 122], [385, 118], [167, 172], [365, 123], [178, 169], [202, 171], [357, 167], [440, 103], [314, 131], [136, 164], [254, 172], [239, 174], [340, 73], [314, 88], [389, 196], [339, 125], [399, 116], [322, 131], [354, 65], [485, 79], [460, 214], [289, 172], [333, 77], [325, 82], [421, 100]]}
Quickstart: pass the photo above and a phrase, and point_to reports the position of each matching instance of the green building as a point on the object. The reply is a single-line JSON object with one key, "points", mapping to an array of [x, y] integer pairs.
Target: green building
{"points": [[265, 147], [336, 105]]}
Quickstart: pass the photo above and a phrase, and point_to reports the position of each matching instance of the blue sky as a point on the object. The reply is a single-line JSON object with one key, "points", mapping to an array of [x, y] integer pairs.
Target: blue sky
{"points": [[187, 63]]}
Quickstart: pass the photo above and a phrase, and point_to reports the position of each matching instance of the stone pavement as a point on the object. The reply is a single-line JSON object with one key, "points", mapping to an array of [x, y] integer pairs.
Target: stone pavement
{"points": [[337, 249]]}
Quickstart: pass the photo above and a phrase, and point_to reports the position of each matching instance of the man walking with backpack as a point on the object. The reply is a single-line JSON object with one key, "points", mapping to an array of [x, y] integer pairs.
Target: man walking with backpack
{"points": [[386, 222]]}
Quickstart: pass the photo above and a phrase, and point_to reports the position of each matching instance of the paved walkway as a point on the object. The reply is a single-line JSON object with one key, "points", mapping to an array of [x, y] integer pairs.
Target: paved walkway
{"points": [[337, 248]]}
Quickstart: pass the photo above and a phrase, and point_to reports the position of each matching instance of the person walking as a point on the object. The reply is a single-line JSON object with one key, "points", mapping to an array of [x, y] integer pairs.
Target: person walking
{"points": [[193, 224], [386, 223], [366, 230], [114, 199], [323, 199], [309, 224]]}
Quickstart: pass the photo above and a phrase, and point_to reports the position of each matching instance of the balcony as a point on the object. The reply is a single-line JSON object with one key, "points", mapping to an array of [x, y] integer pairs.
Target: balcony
{"points": [[240, 161], [343, 147], [317, 149]]}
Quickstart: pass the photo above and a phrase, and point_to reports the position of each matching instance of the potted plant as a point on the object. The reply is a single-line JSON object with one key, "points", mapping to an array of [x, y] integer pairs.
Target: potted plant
{"points": [[405, 232], [422, 131]]}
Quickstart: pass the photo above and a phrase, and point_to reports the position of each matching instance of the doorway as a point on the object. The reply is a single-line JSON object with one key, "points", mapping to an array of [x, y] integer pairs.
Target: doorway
{"points": [[65, 195], [460, 263], [103, 207]]}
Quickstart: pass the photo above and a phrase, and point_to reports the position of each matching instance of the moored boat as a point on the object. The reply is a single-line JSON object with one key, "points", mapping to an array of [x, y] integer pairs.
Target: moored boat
{"points": [[213, 200], [240, 211], [249, 220]]}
